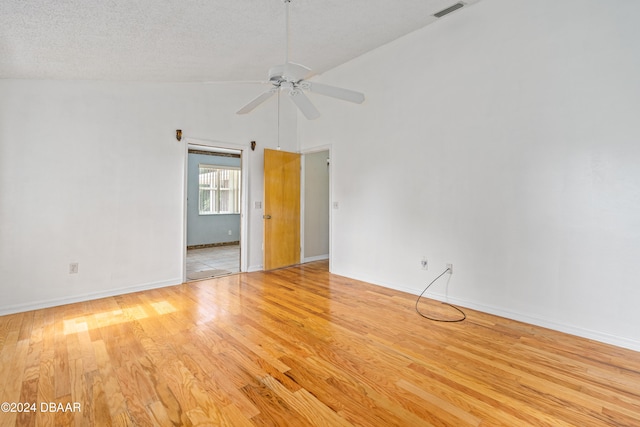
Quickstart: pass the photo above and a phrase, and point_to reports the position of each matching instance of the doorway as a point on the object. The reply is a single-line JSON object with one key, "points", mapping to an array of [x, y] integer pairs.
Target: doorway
{"points": [[316, 218], [214, 211]]}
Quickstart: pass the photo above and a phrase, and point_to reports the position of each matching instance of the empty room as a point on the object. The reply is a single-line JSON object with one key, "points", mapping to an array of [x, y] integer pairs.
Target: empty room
{"points": [[429, 209]]}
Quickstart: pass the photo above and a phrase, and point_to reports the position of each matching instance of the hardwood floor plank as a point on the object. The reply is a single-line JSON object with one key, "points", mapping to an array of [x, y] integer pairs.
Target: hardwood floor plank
{"points": [[255, 345], [561, 397], [14, 372], [80, 392], [477, 403], [235, 416], [28, 393], [7, 361], [305, 404], [300, 346], [273, 411], [109, 388], [449, 414], [168, 408], [344, 397], [97, 405]]}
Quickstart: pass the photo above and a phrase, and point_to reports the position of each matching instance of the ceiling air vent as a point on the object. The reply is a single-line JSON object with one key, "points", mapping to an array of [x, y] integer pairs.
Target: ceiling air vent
{"points": [[448, 10]]}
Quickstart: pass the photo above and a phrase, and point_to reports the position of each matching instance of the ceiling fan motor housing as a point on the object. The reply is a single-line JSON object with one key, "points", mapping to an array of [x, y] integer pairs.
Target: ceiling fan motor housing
{"points": [[289, 72], [276, 74]]}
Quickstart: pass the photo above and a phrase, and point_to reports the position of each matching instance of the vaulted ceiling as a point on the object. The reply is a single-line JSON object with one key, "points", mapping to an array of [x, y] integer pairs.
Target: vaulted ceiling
{"points": [[195, 40]]}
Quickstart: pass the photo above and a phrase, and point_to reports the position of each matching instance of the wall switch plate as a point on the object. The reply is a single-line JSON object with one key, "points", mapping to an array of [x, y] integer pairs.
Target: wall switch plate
{"points": [[73, 268]]}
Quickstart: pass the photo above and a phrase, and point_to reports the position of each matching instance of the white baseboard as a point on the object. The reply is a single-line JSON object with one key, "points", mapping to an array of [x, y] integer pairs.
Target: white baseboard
{"points": [[560, 327], [316, 258], [36, 305]]}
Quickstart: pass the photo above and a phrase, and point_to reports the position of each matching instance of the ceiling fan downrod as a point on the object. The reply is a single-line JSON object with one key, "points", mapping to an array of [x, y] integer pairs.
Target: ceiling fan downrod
{"points": [[287, 28]]}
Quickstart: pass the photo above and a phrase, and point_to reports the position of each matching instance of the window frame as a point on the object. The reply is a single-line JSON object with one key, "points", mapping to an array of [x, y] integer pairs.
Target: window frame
{"points": [[215, 189]]}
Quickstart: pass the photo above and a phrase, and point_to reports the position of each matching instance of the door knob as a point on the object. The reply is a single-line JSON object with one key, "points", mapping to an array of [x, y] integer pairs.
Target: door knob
{"points": [[266, 216]]}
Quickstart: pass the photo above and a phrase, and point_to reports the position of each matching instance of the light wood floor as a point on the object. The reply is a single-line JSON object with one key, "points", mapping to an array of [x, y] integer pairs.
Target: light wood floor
{"points": [[298, 347]]}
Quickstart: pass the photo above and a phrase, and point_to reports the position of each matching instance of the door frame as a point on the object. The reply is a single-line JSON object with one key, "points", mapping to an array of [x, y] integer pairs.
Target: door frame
{"points": [[311, 150], [211, 145]]}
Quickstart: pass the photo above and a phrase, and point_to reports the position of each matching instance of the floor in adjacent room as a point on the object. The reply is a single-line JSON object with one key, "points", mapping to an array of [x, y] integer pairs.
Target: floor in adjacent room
{"points": [[225, 258]]}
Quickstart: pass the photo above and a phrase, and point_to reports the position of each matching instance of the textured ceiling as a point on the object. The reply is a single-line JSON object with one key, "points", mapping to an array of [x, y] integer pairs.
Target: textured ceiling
{"points": [[195, 40]]}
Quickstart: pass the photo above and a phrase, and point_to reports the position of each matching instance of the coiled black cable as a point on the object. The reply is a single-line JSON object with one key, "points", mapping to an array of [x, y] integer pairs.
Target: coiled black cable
{"points": [[464, 316]]}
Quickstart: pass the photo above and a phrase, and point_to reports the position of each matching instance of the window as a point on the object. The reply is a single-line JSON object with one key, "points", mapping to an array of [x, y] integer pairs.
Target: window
{"points": [[219, 190]]}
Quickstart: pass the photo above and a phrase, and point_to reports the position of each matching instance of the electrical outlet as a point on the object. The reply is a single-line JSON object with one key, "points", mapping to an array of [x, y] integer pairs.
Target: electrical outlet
{"points": [[424, 263], [230, 233], [450, 268], [73, 268]]}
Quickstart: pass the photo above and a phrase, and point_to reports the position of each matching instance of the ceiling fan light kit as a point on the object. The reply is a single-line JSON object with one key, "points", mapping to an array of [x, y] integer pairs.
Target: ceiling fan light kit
{"points": [[290, 78]]}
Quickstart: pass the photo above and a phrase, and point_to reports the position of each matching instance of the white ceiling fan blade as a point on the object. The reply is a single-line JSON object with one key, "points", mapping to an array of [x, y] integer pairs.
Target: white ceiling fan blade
{"points": [[257, 101], [304, 105], [335, 92]]}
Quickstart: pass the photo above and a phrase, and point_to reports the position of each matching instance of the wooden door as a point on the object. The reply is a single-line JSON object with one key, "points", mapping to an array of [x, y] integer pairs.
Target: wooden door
{"points": [[281, 209]]}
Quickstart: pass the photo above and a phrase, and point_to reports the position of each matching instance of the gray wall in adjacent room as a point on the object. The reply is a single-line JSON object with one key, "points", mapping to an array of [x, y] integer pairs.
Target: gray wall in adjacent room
{"points": [[208, 229], [316, 205]]}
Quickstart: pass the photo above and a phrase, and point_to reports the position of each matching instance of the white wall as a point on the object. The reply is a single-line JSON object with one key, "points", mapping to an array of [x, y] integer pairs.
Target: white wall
{"points": [[91, 172], [503, 139]]}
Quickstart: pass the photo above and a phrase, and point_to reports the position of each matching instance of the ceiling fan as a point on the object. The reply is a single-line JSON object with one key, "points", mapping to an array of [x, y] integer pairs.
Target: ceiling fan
{"points": [[290, 78]]}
